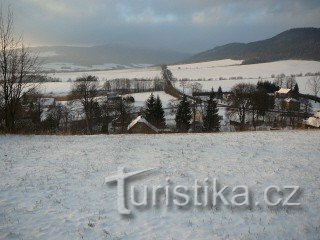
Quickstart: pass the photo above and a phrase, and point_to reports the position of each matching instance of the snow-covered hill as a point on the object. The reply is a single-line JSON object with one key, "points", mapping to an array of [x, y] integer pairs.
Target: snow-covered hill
{"points": [[52, 187], [210, 74]]}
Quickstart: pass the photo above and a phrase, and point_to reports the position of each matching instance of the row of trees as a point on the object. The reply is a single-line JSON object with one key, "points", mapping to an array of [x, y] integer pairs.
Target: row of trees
{"points": [[99, 112], [256, 101], [154, 113], [211, 119], [125, 85]]}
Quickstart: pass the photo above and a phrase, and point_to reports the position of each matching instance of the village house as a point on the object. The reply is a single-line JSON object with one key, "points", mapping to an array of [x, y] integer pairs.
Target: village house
{"points": [[284, 100], [291, 104], [283, 93], [141, 125]]}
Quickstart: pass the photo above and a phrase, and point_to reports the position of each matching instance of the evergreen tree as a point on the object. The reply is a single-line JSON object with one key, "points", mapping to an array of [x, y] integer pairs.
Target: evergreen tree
{"points": [[219, 93], [183, 116], [211, 119], [150, 109], [296, 89], [124, 112], [267, 86], [159, 114]]}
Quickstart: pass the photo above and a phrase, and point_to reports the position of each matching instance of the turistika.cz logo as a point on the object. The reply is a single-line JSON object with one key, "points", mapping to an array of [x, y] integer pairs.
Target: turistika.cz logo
{"points": [[210, 194]]}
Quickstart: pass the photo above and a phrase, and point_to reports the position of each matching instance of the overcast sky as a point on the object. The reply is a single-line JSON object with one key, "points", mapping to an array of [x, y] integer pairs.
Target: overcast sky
{"points": [[182, 25]]}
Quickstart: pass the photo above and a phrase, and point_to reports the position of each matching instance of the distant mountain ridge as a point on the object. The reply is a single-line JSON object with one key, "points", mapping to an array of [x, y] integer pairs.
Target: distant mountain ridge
{"points": [[295, 44], [109, 53]]}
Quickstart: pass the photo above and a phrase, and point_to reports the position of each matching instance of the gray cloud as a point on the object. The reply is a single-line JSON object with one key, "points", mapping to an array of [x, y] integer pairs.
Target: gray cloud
{"points": [[185, 25]]}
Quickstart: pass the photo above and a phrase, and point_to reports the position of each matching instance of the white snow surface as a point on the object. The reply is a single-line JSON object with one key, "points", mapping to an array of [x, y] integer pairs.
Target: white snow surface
{"points": [[210, 71], [141, 98], [209, 64], [52, 187], [70, 67], [247, 71], [213, 69]]}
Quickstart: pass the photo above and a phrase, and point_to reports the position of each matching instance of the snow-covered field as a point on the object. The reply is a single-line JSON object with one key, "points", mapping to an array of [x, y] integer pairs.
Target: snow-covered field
{"points": [[140, 98], [149, 72], [209, 64], [211, 71], [214, 69], [56, 88], [52, 187], [69, 67], [246, 71]]}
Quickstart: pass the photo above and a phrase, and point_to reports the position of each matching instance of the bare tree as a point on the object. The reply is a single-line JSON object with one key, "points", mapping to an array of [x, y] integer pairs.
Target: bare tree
{"points": [[195, 87], [17, 68], [124, 110], [314, 84], [241, 100], [280, 80], [183, 84], [290, 82], [86, 89]]}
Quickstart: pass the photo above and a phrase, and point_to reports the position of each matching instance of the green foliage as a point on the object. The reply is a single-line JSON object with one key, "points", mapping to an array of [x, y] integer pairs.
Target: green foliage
{"points": [[159, 114], [296, 89], [261, 102], [219, 93], [150, 109], [183, 116], [211, 119], [154, 112], [267, 86]]}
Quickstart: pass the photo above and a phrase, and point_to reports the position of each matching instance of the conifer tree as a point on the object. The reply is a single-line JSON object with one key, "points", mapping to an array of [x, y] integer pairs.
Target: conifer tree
{"points": [[219, 93], [150, 109], [183, 116], [160, 121], [211, 119], [296, 90]]}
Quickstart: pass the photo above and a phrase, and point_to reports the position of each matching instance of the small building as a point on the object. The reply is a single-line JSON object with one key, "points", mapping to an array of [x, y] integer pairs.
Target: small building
{"points": [[141, 125], [111, 96], [283, 93], [47, 102], [291, 104]]}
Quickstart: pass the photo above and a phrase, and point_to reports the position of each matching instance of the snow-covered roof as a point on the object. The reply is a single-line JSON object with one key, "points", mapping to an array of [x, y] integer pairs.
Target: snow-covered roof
{"points": [[141, 119], [284, 90], [291, 100]]}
